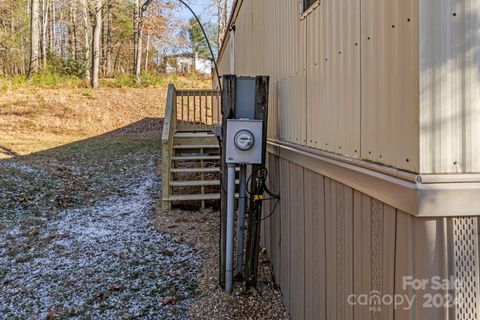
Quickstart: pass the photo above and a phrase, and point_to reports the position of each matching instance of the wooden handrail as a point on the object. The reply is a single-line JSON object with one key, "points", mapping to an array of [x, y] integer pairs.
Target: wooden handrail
{"points": [[186, 110], [169, 128], [170, 119], [203, 91]]}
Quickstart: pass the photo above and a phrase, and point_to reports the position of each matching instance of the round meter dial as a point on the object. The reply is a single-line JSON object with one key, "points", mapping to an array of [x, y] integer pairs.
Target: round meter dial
{"points": [[244, 140]]}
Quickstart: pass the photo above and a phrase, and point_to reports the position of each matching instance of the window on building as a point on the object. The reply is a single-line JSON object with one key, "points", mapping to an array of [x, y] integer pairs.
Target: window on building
{"points": [[308, 3]]}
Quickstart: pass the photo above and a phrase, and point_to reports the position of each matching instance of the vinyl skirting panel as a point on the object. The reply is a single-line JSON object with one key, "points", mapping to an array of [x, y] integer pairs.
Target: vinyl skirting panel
{"points": [[348, 242]]}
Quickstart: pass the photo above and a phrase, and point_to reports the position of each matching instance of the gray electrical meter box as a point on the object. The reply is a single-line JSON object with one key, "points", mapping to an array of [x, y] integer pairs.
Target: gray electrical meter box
{"points": [[244, 141], [245, 98]]}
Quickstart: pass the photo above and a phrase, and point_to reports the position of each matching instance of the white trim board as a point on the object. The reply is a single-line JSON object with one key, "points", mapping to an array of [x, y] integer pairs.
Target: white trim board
{"points": [[439, 197]]}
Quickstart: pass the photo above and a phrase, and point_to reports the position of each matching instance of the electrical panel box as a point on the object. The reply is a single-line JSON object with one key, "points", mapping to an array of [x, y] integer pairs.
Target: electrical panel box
{"points": [[244, 141], [245, 97]]}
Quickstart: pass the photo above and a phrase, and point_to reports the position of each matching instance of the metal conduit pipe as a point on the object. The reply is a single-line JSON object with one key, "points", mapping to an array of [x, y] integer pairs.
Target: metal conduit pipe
{"points": [[229, 236], [241, 217]]}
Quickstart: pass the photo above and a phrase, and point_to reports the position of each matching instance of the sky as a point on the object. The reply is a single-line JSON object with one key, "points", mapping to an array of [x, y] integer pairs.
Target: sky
{"points": [[202, 8]]}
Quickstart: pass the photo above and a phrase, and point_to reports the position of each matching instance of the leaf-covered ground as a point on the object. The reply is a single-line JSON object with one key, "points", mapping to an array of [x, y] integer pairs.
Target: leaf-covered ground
{"points": [[81, 232], [77, 233]]}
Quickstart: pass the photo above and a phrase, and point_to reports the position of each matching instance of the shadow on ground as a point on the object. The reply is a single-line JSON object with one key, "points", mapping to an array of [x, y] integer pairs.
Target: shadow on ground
{"points": [[78, 237], [77, 173]]}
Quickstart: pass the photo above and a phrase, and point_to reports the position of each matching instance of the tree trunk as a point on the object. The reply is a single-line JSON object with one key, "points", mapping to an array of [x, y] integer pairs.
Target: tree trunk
{"points": [[146, 52], [86, 32], [44, 31], [73, 31], [51, 35], [34, 36], [138, 60], [138, 40], [108, 57], [96, 44]]}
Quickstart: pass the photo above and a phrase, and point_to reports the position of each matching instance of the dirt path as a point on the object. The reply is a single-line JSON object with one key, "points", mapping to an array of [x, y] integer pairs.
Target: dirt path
{"points": [[77, 235]]}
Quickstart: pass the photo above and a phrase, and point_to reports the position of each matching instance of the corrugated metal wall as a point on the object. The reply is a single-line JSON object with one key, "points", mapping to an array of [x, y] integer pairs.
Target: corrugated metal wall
{"points": [[342, 79], [291, 75], [333, 77], [390, 82], [224, 63], [449, 86], [395, 82], [327, 241]]}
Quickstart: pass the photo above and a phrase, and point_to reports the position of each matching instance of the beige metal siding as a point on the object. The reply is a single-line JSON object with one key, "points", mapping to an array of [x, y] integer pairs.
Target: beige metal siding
{"points": [[333, 88], [390, 82], [336, 241], [333, 77], [394, 82], [315, 242], [224, 63], [449, 86], [285, 211], [292, 73]]}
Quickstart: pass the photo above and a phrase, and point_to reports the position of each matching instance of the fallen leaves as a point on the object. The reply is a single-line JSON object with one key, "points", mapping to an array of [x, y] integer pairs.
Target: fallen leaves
{"points": [[115, 287], [164, 301]]}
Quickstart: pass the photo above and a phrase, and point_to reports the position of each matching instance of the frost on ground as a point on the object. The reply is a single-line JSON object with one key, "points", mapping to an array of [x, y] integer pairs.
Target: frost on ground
{"points": [[97, 254]]}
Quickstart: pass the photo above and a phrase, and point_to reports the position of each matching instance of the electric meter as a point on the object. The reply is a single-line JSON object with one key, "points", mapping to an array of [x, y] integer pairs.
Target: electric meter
{"points": [[244, 141]]}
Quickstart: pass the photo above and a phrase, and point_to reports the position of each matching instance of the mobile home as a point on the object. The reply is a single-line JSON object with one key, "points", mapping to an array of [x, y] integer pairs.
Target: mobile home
{"points": [[374, 146]]}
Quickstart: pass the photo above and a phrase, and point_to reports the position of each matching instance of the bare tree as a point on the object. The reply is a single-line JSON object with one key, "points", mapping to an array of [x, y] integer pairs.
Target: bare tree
{"points": [[67, 28], [137, 39], [34, 36], [96, 44], [222, 19], [139, 10], [51, 29], [86, 31], [108, 40], [147, 49], [72, 30], [45, 21]]}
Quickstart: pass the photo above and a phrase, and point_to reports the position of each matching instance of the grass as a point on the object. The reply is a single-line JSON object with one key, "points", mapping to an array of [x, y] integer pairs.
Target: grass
{"points": [[75, 173], [62, 143], [54, 80], [62, 146], [51, 111]]}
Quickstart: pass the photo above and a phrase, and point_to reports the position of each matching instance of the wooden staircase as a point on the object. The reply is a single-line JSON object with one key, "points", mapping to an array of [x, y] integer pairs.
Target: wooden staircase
{"points": [[194, 168], [191, 154]]}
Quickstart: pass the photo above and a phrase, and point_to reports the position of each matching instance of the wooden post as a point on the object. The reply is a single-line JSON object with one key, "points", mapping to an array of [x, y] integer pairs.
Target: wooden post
{"points": [[169, 123], [228, 112], [255, 207]]}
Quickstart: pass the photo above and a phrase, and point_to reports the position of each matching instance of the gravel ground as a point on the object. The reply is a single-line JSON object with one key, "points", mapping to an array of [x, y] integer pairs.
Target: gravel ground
{"points": [[200, 229], [81, 237], [101, 257]]}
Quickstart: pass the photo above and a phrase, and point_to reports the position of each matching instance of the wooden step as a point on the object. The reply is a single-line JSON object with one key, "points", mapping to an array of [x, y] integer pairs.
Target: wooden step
{"points": [[198, 170], [196, 146], [197, 183], [195, 158], [194, 183], [195, 170], [195, 197], [194, 135]]}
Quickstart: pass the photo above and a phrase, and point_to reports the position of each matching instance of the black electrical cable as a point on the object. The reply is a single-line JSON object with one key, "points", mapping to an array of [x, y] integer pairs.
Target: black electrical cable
{"points": [[271, 212], [144, 8]]}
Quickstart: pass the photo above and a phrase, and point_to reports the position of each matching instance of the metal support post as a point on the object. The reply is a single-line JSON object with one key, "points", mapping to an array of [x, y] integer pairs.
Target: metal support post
{"points": [[229, 237], [241, 217]]}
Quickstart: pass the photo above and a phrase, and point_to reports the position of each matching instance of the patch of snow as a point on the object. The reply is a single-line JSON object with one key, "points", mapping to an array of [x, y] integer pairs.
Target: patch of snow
{"points": [[23, 168], [103, 261]]}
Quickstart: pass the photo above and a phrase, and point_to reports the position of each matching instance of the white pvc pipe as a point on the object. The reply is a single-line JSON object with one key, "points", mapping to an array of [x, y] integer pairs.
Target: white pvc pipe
{"points": [[241, 217], [230, 213]]}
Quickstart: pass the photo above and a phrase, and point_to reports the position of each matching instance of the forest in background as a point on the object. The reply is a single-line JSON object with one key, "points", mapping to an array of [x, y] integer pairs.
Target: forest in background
{"points": [[93, 39]]}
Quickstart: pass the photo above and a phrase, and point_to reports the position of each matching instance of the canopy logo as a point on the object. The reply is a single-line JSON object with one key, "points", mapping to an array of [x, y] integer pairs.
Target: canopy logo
{"points": [[435, 292], [375, 301]]}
